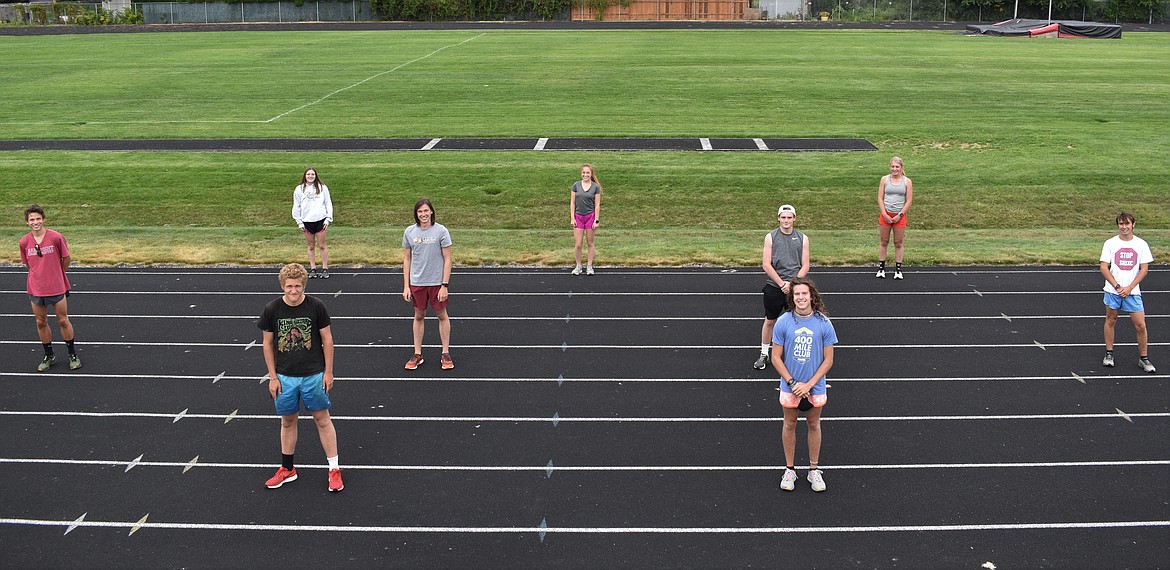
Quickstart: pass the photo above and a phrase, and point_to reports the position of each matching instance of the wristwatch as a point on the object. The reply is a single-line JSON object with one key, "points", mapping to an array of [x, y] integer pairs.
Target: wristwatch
{"points": [[445, 284]]}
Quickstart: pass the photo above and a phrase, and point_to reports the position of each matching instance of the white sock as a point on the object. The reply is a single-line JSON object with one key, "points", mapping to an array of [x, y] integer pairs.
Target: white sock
{"points": [[332, 462], [764, 349]]}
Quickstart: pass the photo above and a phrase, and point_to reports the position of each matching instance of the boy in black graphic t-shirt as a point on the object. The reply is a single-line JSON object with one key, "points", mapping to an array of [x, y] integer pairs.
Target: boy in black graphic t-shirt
{"points": [[298, 350]]}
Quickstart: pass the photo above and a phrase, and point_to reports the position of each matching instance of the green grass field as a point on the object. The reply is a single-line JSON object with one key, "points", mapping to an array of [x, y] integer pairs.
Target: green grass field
{"points": [[1021, 150]]}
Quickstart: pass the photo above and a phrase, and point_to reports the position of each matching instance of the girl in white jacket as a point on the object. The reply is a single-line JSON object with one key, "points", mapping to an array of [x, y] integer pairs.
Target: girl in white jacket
{"points": [[313, 211]]}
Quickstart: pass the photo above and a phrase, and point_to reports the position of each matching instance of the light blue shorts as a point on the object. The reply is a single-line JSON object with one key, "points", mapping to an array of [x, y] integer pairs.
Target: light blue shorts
{"points": [[297, 389], [1130, 304]]}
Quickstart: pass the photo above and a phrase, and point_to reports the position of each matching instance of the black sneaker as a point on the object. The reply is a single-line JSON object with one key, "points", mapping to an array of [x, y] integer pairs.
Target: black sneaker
{"points": [[761, 362], [312, 274], [324, 274]]}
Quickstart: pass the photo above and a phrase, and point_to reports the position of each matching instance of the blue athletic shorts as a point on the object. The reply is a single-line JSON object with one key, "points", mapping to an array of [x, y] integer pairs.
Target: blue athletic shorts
{"points": [[1130, 304], [297, 389]]}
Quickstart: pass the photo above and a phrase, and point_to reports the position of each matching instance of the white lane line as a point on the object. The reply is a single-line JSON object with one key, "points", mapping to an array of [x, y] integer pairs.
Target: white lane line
{"points": [[760, 144], [706, 143], [598, 293], [549, 467], [606, 319], [540, 143], [564, 346], [591, 530], [374, 76], [557, 418], [561, 378], [431, 144]]}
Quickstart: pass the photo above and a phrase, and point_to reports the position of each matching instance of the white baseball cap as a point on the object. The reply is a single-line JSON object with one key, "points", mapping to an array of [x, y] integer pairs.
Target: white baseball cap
{"points": [[786, 208]]}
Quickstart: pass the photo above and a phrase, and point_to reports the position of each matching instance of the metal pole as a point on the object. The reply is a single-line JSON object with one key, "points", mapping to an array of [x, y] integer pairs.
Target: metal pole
{"points": [[1015, 11], [279, 17], [1049, 11], [911, 10]]}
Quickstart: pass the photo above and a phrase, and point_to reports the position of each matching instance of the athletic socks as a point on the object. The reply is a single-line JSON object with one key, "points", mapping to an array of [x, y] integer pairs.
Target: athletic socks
{"points": [[764, 349], [897, 266], [286, 461], [69, 345], [48, 349], [332, 462], [882, 264]]}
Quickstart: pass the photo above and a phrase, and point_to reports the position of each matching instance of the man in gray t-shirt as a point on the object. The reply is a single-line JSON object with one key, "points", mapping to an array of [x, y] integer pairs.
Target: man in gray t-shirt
{"points": [[426, 270], [785, 256]]}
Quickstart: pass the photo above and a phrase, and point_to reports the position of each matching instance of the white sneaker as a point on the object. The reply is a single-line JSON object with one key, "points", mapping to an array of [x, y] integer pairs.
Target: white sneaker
{"points": [[818, 482], [897, 274], [881, 273], [1147, 365], [577, 270], [788, 483], [1108, 360], [589, 270]]}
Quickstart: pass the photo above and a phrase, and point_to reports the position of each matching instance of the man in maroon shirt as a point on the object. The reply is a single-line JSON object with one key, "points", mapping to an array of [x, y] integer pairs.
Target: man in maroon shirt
{"points": [[46, 254]]}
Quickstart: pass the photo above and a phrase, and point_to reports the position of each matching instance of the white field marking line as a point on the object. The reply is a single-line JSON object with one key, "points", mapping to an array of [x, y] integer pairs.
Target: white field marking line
{"points": [[449, 379], [706, 144], [548, 419], [614, 318], [586, 530], [595, 468], [431, 144], [375, 76], [565, 346], [602, 293], [540, 143], [760, 144]]}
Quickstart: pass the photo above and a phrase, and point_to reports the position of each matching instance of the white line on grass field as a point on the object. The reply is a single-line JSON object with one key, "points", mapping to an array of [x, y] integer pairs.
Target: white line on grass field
{"points": [[591, 420], [565, 346], [706, 144], [760, 144], [428, 146], [137, 462], [562, 379], [753, 272], [375, 76], [540, 143], [78, 523]]}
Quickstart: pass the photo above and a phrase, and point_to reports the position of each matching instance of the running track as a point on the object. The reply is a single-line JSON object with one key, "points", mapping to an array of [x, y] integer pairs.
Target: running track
{"points": [[611, 421]]}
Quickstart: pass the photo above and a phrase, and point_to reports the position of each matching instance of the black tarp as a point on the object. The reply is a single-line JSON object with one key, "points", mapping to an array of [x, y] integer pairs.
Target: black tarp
{"points": [[1065, 28]]}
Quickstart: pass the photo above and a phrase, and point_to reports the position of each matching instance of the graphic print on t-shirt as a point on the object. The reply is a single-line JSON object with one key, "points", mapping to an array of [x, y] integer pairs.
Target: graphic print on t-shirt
{"points": [[294, 334], [802, 347], [1125, 258]]}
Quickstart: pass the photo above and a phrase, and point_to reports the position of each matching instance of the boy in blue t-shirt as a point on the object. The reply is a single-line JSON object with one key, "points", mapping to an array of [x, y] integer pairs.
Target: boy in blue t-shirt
{"points": [[802, 353]]}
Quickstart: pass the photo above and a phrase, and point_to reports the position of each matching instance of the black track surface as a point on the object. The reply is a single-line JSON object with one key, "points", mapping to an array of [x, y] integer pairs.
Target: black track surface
{"points": [[309, 145], [620, 409]]}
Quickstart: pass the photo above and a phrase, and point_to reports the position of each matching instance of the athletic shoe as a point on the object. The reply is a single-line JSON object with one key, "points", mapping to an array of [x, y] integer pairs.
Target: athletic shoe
{"points": [[1108, 360], [324, 274], [313, 273], [46, 363], [446, 362], [74, 362], [589, 270], [577, 270], [282, 476], [788, 483], [761, 362], [335, 483], [897, 274], [414, 361], [1147, 365], [818, 482], [881, 273]]}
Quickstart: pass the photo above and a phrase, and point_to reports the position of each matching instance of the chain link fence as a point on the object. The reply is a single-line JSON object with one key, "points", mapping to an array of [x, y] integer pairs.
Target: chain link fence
{"points": [[221, 13]]}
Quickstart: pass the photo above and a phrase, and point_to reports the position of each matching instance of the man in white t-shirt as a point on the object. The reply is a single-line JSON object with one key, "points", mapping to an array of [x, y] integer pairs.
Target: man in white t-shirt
{"points": [[1125, 261]]}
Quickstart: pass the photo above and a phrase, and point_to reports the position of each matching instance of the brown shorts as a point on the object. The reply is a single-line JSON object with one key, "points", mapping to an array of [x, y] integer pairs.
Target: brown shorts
{"points": [[423, 295]]}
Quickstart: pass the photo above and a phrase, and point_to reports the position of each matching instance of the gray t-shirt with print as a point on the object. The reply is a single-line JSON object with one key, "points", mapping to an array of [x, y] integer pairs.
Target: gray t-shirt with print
{"points": [[426, 253]]}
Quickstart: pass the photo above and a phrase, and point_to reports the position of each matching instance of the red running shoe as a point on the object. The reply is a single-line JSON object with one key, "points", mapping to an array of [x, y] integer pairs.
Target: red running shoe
{"points": [[335, 483], [446, 361], [414, 361], [282, 476]]}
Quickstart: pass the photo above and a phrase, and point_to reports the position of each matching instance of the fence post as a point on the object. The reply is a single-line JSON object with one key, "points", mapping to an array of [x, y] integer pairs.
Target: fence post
{"points": [[279, 16], [318, 4]]}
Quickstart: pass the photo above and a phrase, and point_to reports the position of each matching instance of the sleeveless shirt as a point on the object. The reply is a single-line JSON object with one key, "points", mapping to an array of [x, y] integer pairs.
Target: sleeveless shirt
{"points": [[787, 254]]}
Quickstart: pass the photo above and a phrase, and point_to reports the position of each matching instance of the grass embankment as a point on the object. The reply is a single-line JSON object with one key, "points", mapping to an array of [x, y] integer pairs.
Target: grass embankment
{"points": [[1021, 151]]}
